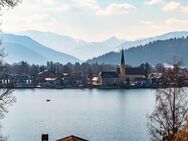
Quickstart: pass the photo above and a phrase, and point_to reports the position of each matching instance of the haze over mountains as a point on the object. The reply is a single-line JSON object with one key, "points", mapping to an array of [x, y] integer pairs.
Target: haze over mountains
{"points": [[86, 50], [79, 48], [39, 47], [20, 48]]}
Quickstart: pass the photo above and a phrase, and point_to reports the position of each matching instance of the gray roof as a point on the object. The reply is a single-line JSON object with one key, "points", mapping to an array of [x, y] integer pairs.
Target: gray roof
{"points": [[134, 71], [109, 74]]}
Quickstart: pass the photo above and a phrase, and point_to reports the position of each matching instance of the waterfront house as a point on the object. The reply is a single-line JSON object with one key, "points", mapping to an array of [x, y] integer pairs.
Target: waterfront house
{"points": [[95, 81], [67, 81], [109, 78], [79, 78], [53, 82], [41, 76], [23, 80], [142, 82], [155, 78], [6, 80]]}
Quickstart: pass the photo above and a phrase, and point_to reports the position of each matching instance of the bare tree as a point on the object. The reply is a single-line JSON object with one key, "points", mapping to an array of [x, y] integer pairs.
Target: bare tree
{"points": [[6, 97], [9, 3], [171, 109], [182, 135]]}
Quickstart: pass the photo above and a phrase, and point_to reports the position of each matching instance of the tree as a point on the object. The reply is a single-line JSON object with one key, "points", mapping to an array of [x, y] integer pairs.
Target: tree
{"points": [[159, 68], [6, 97], [9, 3], [147, 68], [171, 108], [182, 135]]}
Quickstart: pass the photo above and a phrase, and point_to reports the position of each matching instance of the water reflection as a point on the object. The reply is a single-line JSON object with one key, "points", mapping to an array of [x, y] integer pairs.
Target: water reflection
{"points": [[105, 115]]}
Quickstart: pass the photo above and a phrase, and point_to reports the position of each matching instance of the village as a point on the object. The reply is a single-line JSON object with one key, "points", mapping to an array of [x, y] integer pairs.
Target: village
{"points": [[120, 77]]}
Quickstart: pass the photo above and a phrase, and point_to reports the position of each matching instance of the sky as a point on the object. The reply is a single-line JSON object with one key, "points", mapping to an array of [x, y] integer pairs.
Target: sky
{"points": [[95, 20]]}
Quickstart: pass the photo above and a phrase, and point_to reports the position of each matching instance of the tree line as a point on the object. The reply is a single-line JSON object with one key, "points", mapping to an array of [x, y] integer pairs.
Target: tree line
{"points": [[91, 69]]}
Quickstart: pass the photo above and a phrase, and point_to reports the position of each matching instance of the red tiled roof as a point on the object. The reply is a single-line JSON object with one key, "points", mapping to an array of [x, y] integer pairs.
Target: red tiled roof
{"points": [[72, 138]]}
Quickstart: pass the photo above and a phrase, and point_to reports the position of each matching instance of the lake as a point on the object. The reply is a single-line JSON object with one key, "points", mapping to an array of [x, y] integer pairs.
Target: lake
{"points": [[94, 114]]}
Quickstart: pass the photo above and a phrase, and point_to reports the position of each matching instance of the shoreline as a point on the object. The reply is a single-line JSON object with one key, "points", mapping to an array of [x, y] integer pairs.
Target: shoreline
{"points": [[85, 87]]}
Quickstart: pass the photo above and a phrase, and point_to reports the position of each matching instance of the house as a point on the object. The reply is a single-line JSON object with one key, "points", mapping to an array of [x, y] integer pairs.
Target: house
{"points": [[143, 82], [6, 80], [79, 78], [23, 80], [95, 81], [109, 78], [52, 82], [41, 76], [134, 73], [68, 138], [67, 81], [155, 78], [72, 138]]}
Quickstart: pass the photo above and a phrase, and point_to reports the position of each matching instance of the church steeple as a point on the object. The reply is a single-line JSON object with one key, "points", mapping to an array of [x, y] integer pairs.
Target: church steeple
{"points": [[122, 71], [122, 58]]}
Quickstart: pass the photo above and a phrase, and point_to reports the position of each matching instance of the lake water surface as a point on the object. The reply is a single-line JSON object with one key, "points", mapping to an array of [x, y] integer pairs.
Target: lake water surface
{"points": [[97, 115]]}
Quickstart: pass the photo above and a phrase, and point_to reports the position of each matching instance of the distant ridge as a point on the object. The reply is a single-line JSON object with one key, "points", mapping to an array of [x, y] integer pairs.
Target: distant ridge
{"points": [[166, 36], [79, 48], [161, 51], [87, 50], [54, 41], [24, 48]]}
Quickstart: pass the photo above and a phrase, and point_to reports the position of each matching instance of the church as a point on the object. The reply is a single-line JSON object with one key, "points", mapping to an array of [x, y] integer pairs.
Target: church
{"points": [[129, 74], [123, 75]]}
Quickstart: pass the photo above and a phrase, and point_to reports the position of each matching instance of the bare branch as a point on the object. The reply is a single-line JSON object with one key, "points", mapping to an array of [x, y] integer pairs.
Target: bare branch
{"points": [[171, 108]]}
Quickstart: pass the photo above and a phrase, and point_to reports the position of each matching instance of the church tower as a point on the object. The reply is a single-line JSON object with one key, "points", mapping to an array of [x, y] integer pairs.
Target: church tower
{"points": [[122, 66]]}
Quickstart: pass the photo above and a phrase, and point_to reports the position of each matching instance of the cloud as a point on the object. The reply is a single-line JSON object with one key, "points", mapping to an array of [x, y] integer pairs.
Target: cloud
{"points": [[174, 21], [116, 9], [184, 9], [146, 22], [46, 2], [154, 2], [168, 6], [171, 6], [87, 3], [71, 5], [39, 19]]}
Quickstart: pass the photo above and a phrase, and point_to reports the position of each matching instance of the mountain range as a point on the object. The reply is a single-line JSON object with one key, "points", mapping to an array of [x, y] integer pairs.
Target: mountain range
{"points": [[24, 48], [86, 50], [39, 47], [166, 36], [79, 48], [160, 51]]}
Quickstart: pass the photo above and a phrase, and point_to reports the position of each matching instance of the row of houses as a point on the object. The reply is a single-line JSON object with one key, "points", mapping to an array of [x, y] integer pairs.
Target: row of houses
{"points": [[49, 79], [123, 76], [18, 80], [44, 79]]}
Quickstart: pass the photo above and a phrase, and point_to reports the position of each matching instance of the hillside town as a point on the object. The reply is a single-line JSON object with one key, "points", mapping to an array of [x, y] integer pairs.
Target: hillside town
{"points": [[83, 76]]}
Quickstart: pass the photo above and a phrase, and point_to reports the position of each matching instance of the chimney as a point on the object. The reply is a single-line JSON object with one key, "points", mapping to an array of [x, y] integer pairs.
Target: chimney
{"points": [[44, 137]]}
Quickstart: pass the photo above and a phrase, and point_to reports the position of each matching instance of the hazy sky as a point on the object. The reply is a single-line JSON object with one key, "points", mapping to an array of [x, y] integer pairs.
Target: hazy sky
{"points": [[94, 20]]}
